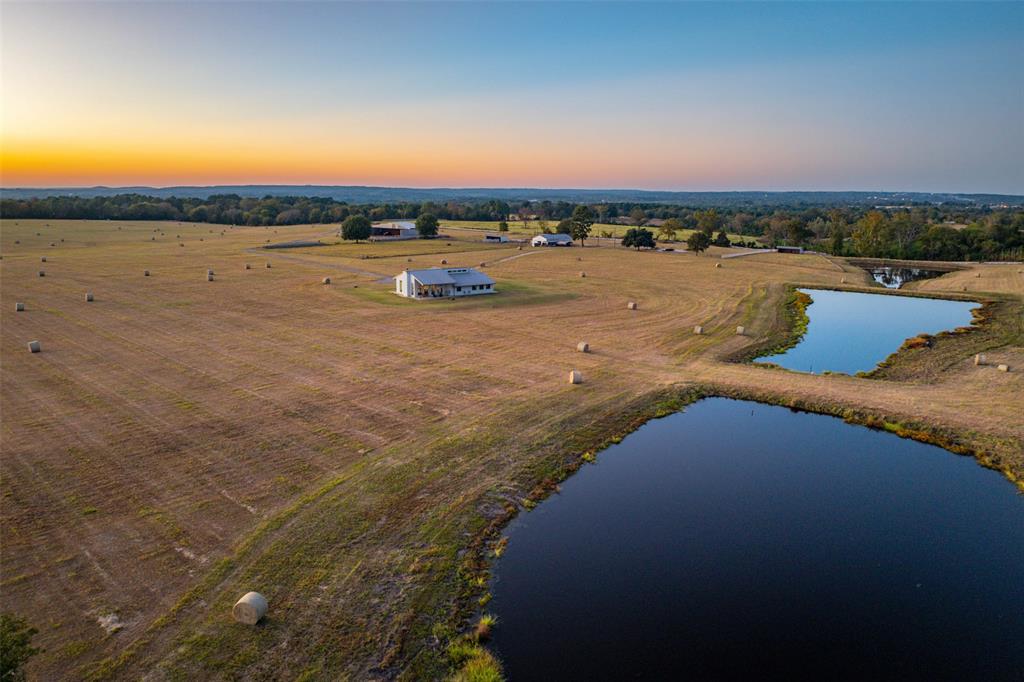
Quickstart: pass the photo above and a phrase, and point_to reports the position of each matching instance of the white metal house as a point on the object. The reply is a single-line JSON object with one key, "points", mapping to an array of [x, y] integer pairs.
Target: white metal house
{"points": [[442, 283], [551, 240], [499, 238]]}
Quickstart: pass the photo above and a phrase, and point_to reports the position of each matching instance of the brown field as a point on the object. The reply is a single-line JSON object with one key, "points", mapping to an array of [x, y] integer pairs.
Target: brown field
{"points": [[179, 442]]}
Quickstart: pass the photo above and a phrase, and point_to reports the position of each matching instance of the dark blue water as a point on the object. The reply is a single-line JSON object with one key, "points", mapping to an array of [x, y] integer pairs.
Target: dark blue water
{"points": [[742, 541], [851, 332]]}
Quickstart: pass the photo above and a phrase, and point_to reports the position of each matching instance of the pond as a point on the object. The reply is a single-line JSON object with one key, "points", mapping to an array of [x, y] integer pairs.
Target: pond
{"points": [[852, 332], [738, 540], [894, 277]]}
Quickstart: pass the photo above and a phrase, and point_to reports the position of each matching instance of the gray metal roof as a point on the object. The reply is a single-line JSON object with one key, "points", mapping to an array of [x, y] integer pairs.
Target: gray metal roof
{"points": [[470, 278], [432, 276]]}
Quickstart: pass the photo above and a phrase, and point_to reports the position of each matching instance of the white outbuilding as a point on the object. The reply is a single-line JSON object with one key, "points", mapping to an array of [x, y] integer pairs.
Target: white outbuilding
{"points": [[551, 240], [443, 283]]}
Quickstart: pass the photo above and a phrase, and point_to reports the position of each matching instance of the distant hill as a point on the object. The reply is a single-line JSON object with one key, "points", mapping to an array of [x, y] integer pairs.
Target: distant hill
{"points": [[364, 195]]}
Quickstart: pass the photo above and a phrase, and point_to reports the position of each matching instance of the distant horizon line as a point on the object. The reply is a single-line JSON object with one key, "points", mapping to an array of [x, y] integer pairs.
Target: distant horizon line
{"points": [[496, 188]]}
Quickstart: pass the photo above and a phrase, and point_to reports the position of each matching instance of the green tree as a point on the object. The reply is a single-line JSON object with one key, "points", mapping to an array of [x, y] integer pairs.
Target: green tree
{"points": [[638, 238], [838, 237], [669, 228], [722, 240], [355, 227], [582, 220], [870, 238], [698, 241], [15, 647], [708, 221], [426, 225], [638, 216], [503, 226]]}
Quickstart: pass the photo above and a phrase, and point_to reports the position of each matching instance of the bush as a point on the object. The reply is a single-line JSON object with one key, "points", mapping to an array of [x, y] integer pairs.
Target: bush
{"points": [[15, 646]]}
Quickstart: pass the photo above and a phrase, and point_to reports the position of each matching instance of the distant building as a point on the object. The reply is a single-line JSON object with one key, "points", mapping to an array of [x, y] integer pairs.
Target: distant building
{"points": [[497, 238], [393, 231], [551, 240], [790, 249], [443, 283]]}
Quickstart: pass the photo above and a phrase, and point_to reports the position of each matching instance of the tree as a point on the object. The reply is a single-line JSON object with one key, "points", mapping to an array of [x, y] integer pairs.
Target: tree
{"points": [[838, 237], [564, 227], [722, 240], [668, 229], [503, 226], [582, 220], [870, 237], [638, 238], [708, 221], [698, 241], [355, 227], [426, 225], [638, 216], [15, 646]]}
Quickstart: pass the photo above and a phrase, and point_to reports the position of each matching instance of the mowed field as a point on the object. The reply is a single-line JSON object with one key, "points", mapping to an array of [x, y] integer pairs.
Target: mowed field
{"points": [[179, 442]]}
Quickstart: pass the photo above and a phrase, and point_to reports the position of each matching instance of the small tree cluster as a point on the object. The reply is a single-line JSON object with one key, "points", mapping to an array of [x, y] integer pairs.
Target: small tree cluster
{"points": [[638, 238]]}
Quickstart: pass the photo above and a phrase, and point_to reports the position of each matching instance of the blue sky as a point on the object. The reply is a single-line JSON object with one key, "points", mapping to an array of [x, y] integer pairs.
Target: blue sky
{"points": [[912, 96]]}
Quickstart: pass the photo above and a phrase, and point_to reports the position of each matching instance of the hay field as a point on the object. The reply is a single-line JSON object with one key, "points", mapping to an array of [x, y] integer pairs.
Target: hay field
{"points": [[180, 442]]}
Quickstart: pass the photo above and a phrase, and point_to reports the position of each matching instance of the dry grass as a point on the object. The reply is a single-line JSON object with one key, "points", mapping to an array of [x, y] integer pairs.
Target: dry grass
{"points": [[178, 442]]}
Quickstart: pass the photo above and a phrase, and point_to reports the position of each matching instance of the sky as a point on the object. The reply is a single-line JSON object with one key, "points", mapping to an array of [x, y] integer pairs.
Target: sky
{"points": [[682, 96]]}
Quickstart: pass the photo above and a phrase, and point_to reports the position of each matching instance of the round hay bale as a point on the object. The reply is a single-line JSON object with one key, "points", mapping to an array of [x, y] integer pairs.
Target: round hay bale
{"points": [[582, 274], [268, 266], [977, 275], [145, 273], [88, 297], [444, 262], [632, 305], [979, 359], [408, 260], [52, 244], [583, 347], [718, 265], [181, 245], [325, 280], [483, 265], [18, 307], [842, 281], [519, 248], [34, 347], [1003, 368], [248, 267], [698, 330], [250, 608], [741, 330], [17, 241], [575, 377], [42, 273], [43, 259]]}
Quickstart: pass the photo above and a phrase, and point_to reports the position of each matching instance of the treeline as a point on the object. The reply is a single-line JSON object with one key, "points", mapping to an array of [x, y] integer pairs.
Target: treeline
{"points": [[952, 231]]}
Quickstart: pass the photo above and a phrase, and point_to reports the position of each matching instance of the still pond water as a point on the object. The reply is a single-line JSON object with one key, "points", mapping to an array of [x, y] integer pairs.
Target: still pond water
{"points": [[893, 277], [852, 332], [742, 541]]}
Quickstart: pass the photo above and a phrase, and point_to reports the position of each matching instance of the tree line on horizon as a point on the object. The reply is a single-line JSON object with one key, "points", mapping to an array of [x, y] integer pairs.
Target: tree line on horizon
{"points": [[953, 231]]}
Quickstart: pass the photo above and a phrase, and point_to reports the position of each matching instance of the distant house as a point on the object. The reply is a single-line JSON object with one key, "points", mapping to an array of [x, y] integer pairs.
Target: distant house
{"points": [[551, 240], [443, 283], [496, 238], [790, 249], [393, 231]]}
